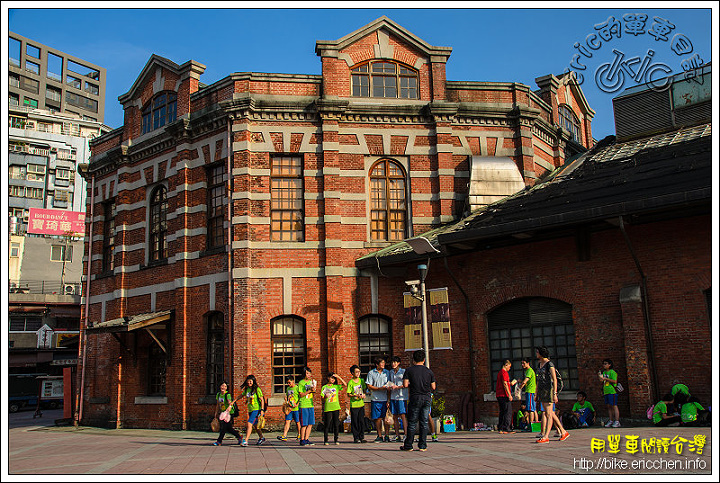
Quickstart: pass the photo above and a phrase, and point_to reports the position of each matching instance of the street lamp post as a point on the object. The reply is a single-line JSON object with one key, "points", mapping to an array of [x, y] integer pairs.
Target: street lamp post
{"points": [[422, 246], [422, 268]]}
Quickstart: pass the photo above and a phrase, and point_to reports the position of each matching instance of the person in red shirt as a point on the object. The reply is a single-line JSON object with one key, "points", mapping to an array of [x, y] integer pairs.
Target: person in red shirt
{"points": [[504, 397]]}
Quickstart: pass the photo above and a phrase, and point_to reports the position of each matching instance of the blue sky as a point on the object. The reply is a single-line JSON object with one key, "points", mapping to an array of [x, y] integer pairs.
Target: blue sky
{"points": [[499, 45]]}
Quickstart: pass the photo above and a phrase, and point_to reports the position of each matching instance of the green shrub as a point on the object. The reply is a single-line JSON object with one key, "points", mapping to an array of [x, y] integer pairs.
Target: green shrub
{"points": [[438, 406]]}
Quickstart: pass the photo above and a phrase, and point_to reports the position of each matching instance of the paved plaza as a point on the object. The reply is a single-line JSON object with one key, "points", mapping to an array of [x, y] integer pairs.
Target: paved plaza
{"points": [[95, 451]]}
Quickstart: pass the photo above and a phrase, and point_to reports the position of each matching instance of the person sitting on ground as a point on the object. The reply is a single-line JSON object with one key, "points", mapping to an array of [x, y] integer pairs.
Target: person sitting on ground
{"points": [[661, 413], [693, 414], [522, 417], [584, 410]]}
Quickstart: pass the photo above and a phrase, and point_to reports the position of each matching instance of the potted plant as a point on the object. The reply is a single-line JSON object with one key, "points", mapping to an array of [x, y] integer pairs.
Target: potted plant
{"points": [[437, 409]]}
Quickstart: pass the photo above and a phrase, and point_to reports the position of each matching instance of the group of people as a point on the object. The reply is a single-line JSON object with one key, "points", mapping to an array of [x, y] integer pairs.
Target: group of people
{"points": [[405, 393], [541, 390], [679, 408]]}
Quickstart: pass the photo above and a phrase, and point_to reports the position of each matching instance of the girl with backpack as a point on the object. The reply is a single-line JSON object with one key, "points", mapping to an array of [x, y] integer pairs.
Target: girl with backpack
{"points": [[224, 401], [256, 405]]}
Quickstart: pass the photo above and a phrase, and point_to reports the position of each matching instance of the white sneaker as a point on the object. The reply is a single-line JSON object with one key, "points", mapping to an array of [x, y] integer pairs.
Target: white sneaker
{"points": [[616, 424], [609, 424]]}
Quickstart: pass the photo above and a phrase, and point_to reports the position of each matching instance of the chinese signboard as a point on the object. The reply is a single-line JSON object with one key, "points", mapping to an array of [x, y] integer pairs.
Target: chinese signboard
{"points": [[56, 222]]}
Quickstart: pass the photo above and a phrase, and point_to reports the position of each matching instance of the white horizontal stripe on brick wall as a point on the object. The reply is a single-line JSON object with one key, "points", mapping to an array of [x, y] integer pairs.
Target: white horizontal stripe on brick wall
{"points": [[251, 220], [135, 226], [541, 162], [267, 245], [131, 207], [184, 256], [443, 195], [345, 220], [186, 210], [440, 172], [250, 195], [295, 272], [331, 146], [431, 220], [248, 171], [344, 244], [201, 185], [161, 287], [187, 232], [129, 248]]}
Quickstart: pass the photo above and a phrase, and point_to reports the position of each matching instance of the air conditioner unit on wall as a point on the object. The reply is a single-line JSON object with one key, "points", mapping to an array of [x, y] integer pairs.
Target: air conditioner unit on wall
{"points": [[69, 289]]}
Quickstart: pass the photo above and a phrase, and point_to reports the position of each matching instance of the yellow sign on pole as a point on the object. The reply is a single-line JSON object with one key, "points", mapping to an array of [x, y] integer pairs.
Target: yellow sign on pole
{"points": [[413, 322], [440, 316]]}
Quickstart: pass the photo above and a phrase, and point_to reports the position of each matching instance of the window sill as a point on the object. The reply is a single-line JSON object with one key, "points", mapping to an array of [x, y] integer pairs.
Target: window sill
{"points": [[151, 400]]}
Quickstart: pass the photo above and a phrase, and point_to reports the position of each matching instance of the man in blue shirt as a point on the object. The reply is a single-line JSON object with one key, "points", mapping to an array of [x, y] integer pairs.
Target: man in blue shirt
{"points": [[378, 381]]}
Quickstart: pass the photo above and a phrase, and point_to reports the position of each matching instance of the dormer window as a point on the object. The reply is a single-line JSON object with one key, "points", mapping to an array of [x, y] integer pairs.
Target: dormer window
{"points": [[384, 79], [160, 111], [569, 121]]}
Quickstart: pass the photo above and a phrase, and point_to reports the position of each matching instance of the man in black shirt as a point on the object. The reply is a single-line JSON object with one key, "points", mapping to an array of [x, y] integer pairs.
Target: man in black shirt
{"points": [[421, 382]]}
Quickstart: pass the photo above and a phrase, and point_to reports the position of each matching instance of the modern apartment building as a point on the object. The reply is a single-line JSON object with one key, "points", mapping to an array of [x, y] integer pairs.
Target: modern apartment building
{"points": [[46, 78], [48, 140]]}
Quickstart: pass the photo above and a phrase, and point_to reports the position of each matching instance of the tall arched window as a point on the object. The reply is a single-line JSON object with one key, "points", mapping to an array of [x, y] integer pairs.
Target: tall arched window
{"points": [[289, 350], [158, 224], [387, 201], [161, 110], [382, 78], [517, 327], [215, 351], [569, 121], [373, 340]]}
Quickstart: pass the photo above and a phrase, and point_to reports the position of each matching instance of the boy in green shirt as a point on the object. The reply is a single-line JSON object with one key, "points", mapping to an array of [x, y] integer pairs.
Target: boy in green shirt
{"points": [[291, 399], [529, 385], [306, 391], [356, 389], [584, 410], [330, 394]]}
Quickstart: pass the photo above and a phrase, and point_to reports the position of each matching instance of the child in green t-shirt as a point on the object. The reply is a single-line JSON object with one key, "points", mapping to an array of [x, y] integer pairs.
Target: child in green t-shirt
{"points": [[330, 394], [609, 379], [356, 389], [584, 410], [660, 415], [291, 400], [256, 405], [306, 391]]}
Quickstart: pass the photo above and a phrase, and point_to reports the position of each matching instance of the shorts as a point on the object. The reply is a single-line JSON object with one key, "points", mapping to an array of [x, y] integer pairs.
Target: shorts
{"points": [[293, 416], [253, 416], [378, 409], [610, 399], [397, 406], [530, 401], [542, 408], [307, 416]]}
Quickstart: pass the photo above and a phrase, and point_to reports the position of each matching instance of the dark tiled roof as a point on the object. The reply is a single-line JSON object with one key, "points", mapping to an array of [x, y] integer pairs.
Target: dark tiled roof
{"points": [[613, 179]]}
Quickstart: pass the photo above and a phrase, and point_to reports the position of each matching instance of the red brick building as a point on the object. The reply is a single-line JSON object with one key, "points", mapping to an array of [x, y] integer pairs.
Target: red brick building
{"points": [[321, 170]]}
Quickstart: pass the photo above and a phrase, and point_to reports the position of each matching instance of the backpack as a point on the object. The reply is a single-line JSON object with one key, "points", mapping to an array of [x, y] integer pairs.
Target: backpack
{"points": [[650, 412]]}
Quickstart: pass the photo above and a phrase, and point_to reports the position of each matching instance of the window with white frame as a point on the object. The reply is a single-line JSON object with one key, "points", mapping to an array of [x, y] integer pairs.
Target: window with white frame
{"points": [[61, 253]]}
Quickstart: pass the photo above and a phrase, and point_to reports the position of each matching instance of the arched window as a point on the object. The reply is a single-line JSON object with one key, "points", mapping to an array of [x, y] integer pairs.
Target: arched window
{"points": [[215, 351], [387, 201], [569, 121], [373, 340], [289, 350], [517, 327], [383, 78], [161, 110], [158, 224]]}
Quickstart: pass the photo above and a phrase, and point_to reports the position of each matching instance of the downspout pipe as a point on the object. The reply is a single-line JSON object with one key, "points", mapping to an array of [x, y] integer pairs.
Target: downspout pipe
{"points": [[82, 349], [471, 345], [230, 285], [646, 311]]}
